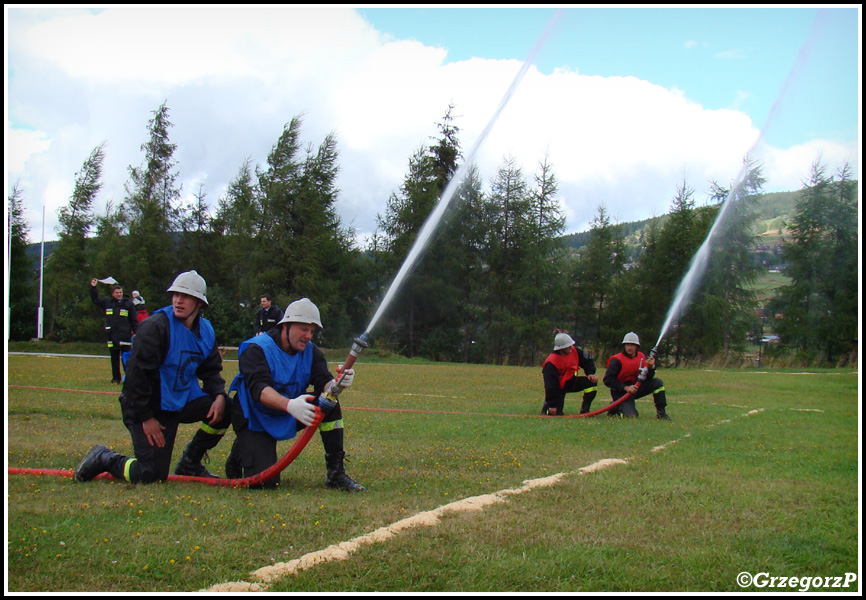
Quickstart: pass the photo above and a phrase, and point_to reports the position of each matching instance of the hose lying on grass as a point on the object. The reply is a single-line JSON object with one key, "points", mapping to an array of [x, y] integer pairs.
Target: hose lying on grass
{"points": [[266, 475], [609, 406], [277, 468]]}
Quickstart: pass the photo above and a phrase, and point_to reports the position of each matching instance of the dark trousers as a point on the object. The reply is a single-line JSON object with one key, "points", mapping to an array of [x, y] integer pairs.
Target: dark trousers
{"points": [[656, 387], [256, 451], [115, 349], [555, 398], [153, 463]]}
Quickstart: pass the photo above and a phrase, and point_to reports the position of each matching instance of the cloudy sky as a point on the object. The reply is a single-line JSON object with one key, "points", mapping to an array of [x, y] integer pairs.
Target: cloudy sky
{"points": [[625, 102]]}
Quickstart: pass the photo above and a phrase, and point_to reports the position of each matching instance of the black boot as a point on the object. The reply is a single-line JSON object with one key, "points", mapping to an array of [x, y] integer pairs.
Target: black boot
{"points": [[233, 463], [587, 402], [190, 462], [337, 478], [97, 461], [588, 397], [660, 400]]}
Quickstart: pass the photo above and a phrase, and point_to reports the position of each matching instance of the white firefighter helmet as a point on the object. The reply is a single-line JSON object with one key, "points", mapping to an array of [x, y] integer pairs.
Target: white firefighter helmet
{"points": [[302, 311], [192, 284], [562, 341], [631, 338]]}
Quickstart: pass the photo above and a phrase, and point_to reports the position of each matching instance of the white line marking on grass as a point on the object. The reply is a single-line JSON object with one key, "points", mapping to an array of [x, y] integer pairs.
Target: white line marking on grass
{"points": [[343, 550], [722, 422], [754, 412], [663, 446], [748, 372]]}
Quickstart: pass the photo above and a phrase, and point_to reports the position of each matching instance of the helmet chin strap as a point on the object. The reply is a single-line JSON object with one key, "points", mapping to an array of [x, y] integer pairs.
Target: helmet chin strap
{"points": [[190, 318], [284, 338]]}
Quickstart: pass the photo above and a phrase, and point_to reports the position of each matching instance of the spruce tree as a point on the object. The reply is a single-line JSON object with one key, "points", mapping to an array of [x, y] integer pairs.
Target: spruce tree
{"points": [[600, 265], [238, 223], [23, 302], [424, 319], [662, 269], [152, 213], [727, 302], [467, 234], [543, 273], [69, 269], [819, 306], [510, 202], [303, 249]]}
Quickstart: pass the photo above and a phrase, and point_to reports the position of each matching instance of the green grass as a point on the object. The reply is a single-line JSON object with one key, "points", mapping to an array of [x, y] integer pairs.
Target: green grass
{"points": [[371, 355], [775, 491], [767, 285]]}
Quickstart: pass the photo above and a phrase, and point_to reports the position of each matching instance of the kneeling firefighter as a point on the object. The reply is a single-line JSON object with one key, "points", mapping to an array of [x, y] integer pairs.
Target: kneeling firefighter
{"points": [[271, 402], [560, 373], [623, 371], [172, 351]]}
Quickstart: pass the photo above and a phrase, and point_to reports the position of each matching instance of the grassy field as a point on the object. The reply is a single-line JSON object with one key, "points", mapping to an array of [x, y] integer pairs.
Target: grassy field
{"points": [[472, 493]]}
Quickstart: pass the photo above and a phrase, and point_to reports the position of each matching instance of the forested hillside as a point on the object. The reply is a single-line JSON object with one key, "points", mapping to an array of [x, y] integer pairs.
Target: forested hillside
{"points": [[774, 211]]}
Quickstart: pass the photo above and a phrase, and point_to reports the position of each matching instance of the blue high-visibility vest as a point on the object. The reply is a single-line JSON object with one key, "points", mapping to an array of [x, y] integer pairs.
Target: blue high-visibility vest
{"points": [[290, 374], [178, 381]]}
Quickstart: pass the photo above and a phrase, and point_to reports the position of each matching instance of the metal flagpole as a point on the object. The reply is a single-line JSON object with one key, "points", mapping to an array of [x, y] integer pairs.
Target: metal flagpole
{"points": [[41, 273]]}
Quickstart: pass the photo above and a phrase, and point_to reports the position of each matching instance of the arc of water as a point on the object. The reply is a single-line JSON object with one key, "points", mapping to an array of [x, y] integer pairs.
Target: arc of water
{"points": [[435, 217], [698, 265]]}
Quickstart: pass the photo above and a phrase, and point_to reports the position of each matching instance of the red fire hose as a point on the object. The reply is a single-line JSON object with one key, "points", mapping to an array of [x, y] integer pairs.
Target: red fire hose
{"points": [[262, 477], [641, 378], [609, 406]]}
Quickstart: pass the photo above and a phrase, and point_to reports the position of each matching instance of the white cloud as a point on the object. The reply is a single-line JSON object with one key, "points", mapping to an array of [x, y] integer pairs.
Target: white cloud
{"points": [[233, 77], [21, 144], [731, 54], [788, 168]]}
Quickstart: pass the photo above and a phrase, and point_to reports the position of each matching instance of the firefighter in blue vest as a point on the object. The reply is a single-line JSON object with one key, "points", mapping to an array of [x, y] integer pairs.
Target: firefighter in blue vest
{"points": [[560, 373], [622, 374], [272, 402], [173, 349], [120, 324]]}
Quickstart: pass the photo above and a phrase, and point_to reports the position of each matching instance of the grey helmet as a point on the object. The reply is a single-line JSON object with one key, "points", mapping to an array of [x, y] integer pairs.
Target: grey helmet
{"points": [[631, 338], [302, 311], [562, 341], [192, 284]]}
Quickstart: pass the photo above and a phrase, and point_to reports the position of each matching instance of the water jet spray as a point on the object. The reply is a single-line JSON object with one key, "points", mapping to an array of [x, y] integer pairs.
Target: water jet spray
{"points": [[699, 262]]}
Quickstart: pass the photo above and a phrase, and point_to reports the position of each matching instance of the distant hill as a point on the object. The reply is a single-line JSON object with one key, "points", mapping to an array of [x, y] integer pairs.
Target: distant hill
{"points": [[774, 210], [774, 213], [34, 250]]}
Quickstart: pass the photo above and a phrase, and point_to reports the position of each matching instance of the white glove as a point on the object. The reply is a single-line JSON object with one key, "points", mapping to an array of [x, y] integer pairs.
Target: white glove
{"points": [[302, 410], [348, 376]]}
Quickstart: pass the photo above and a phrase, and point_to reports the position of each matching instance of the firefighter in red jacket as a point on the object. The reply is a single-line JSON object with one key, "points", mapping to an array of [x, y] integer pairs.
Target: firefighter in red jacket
{"points": [[560, 373], [622, 374]]}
